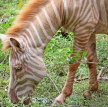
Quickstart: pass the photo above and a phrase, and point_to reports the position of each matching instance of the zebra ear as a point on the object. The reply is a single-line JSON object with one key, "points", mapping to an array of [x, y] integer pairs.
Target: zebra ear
{"points": [[2, 37], [9, 42], [14, 43]]}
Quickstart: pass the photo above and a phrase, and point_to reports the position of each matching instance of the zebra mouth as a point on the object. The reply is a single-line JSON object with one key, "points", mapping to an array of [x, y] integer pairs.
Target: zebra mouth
{"points": [[26, 101], [25, 95]]}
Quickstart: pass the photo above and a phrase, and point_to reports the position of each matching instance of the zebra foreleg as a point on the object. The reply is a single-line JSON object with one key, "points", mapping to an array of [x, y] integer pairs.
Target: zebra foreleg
{"points": [[91, 57], [68, 87]]}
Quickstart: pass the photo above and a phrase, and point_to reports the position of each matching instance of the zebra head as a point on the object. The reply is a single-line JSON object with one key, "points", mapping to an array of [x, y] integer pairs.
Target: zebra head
{"points": [[26, 70]]}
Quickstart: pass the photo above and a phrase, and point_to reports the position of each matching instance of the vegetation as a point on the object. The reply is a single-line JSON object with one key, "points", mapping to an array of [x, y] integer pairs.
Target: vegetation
{"points": [[56, 53]]}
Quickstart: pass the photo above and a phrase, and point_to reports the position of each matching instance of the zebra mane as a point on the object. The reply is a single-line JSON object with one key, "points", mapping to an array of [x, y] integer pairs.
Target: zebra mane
{"points": [[25, 15]]}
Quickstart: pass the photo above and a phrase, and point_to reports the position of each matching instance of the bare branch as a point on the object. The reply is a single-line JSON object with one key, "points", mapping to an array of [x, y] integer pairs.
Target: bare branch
{"points": [[100, 73], [53, 83]]}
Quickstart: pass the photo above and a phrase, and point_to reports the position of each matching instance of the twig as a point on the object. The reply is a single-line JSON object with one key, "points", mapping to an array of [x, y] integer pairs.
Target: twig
{"points": [[103, 78], [100, 73], [85, 61], [53, 83], [53, 104], [82, 79], [98, 77]]}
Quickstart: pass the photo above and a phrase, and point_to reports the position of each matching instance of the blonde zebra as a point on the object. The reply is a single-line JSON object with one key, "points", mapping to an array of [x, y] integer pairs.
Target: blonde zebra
{"points": [[35, 26]]}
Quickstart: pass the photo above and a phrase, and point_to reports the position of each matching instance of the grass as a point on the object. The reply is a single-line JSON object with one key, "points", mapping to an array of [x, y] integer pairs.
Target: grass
{"points": [[56, 53]]}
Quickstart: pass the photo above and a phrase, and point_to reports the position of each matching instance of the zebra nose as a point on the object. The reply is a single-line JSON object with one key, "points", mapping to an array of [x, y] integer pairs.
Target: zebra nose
{"points": [[12, 96]]}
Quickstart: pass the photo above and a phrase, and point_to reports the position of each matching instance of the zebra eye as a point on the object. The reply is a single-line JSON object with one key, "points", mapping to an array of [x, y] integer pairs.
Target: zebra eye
{"points": [[18, 69]]}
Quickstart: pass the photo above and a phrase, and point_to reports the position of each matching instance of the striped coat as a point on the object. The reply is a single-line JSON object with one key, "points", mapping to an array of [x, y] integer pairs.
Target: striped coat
{"points": [[36, 25]]}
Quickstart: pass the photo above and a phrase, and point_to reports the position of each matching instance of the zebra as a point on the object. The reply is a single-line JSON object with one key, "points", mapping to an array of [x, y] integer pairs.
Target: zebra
{"points": [[34, 27]]}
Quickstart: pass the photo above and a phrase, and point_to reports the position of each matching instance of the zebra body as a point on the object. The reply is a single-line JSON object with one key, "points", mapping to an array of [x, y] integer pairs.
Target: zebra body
{"points": [[32, 31], [102, 25]]}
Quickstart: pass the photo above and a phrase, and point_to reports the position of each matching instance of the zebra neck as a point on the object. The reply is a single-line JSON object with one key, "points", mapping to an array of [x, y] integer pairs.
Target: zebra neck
{"points": [[43, 26]]}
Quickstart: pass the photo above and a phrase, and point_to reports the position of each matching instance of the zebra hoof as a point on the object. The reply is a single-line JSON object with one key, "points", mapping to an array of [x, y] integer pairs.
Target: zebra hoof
{"points": [[60, 99]]}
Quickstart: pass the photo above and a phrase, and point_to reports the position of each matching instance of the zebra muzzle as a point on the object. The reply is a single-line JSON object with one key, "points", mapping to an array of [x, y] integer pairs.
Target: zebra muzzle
{"points": [[13, 96]]}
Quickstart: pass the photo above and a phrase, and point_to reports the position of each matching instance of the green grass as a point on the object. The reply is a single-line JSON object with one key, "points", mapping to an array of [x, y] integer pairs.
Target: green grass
{"points": [[56, 53]]}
